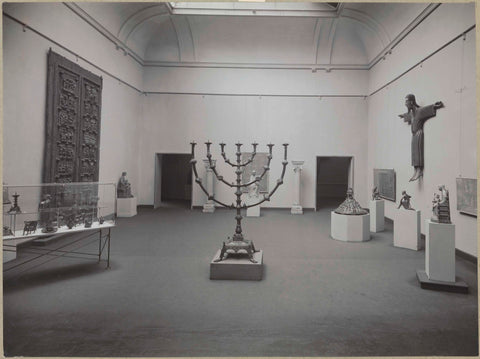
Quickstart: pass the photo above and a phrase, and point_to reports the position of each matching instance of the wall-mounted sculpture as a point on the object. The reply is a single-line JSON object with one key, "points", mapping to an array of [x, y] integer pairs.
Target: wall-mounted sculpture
{"points": [[416, 117], [237, 244]]}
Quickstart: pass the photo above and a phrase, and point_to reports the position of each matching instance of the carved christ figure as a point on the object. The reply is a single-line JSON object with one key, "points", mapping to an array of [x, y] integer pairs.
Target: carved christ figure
{"points": [[416, 117]]}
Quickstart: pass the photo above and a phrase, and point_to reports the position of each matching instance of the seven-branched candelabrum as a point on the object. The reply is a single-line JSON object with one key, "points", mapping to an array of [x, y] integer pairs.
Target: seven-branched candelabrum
{"points": [[237, 244]]}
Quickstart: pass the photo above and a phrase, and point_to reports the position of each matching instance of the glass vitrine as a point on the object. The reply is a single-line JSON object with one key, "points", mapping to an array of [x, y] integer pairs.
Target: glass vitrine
{"points": [[51, 208]]}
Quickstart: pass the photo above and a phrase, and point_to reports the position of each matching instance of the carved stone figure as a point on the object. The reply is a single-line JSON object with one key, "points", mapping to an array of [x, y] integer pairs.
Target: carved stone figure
{"points": [[124, 189], [253, 188], [416, 117], [441, 206], [375, 194], [405, 201], [350, 206]]}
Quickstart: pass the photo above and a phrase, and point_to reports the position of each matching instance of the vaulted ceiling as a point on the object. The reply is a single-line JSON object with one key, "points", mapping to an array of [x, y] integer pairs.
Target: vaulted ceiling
{"points": [[351, 35]]}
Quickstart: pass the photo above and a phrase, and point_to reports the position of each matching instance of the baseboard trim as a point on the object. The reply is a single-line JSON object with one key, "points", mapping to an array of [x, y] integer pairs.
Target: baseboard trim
{"points": [[467, 256], [263, 208], [145, 206]]}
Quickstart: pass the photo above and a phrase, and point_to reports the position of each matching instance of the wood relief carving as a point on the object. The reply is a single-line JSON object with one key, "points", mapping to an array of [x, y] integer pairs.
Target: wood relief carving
{"points": [[73, 122]]}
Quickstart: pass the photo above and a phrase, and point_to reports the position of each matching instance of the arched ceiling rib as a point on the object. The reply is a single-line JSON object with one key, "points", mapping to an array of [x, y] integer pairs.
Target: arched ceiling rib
{"points": [[286, 33]]}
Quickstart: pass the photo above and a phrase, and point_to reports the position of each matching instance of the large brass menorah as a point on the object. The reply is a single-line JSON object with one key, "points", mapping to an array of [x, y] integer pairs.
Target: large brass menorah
{"points": [[237, 244]]}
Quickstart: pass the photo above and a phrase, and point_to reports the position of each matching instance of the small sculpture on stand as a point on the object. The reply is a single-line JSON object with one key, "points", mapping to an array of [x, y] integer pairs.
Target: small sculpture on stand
{"points": [[124, 189], [237, 244], [375, 194], [45, 211], [6, 229], [253, 188], [416, 117], [15, 208], [350, 206], [441, 206], [405, 201]]}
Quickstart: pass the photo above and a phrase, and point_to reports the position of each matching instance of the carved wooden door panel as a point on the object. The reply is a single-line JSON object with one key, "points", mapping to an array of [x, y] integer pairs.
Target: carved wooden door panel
{"points": [[72, 140]]}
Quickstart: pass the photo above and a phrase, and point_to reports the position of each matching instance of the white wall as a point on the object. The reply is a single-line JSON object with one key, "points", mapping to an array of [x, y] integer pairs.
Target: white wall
{"points": [[24, 92], [312, 126], [450, 137]]}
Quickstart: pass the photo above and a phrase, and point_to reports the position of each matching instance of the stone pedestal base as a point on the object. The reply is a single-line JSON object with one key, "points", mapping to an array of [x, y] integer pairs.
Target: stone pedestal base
{"points": [[377, 215], [237, 267], [406, 229], [426, 283], [297, 209], [253, 211], [126, 207], [350, 228], [208, 208], [440, 251]]}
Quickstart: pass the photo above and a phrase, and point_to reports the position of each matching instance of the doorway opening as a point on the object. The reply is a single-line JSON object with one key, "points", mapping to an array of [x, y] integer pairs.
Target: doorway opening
{"points": [[173, 180], [334, 176]]}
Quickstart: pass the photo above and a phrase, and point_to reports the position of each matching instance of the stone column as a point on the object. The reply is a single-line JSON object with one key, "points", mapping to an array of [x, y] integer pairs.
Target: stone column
{"points": [[297, 169], [209, 206]]}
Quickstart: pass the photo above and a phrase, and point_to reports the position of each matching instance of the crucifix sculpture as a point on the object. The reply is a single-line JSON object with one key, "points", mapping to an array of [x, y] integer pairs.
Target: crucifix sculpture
{"points": [[416, 117]]}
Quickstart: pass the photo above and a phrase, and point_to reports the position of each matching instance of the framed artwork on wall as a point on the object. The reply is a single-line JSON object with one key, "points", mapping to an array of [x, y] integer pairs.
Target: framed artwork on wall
{"points": [[467, 196], [260, 160], [385, 181]]}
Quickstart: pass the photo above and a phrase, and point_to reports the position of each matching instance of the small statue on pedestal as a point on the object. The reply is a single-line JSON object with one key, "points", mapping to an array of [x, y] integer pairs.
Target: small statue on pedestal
{"points": [[253, 188], [124, 189], [350, 206], [405, 201], [375, 194], [45, 212], [441, 206]]}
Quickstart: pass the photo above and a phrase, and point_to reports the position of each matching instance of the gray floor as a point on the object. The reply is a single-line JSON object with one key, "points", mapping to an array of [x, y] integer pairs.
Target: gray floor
{"points": [[319, 297]]}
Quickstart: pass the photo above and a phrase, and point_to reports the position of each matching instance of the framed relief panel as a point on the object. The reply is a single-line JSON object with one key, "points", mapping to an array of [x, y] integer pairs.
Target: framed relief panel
{"points": [[467, 196], [384, 180]]}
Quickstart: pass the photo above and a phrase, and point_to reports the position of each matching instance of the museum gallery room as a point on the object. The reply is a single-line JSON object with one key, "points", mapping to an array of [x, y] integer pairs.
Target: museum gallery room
{"points": [[239, 179]]}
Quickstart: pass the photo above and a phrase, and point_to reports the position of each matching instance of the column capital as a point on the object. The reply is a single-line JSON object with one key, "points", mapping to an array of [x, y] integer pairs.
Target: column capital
{"points": [[207, 163], [297, 165]]}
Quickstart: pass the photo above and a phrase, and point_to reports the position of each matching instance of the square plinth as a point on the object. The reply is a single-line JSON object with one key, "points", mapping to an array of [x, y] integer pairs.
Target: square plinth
{"points": [[253, 211], [406, 229], [126, 207], [425, 283], [350, 228], [377, 215], [237, 267], [440, 251]]}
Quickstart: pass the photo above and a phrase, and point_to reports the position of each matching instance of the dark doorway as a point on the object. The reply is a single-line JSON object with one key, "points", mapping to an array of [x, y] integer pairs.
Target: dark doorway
{"points": [[334, 176], [173, 180]]}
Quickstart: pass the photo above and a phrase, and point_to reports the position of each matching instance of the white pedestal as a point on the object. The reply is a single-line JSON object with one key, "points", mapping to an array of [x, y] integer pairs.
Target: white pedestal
{"points": [[237, 268], [377, 215], [406, 229], [296, 210], [126, 207], [350, 228], [440, 251], [208, 208], [253, 211]]}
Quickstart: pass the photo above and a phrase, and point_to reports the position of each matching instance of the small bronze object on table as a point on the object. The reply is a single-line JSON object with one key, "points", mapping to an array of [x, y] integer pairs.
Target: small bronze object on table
{"points": [[416, 117], [29, 227], [45, 212], [7, 231], [88, 222], [441, 206], [405, 201], [237, 244], [101, 220], [15, 207]]}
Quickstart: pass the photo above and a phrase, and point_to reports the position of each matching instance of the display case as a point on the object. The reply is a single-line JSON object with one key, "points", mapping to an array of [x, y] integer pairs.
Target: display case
{"points": [[54, 208]]}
